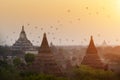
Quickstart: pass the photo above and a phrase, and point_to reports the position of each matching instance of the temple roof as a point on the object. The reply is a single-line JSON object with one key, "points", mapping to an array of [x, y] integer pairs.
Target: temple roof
{"points": [[23, 29], [23, 34], [91, 48], [44, 45]]}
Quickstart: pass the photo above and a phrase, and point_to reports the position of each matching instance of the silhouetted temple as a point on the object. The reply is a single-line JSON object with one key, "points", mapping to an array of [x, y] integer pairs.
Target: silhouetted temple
{"points": [[104, 44], [45, 61], [44, 48], [23, 43], [92, 58]]}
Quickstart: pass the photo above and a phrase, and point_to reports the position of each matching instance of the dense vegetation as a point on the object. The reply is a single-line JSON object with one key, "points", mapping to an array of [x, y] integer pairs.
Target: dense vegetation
{"points": [[88, 73], [29, 58], [9, 72]]}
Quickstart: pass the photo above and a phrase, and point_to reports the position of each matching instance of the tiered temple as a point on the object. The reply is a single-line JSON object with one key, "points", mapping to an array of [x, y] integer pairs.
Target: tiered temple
{"points": [[92, 58], [23, 44], [45, 61]]}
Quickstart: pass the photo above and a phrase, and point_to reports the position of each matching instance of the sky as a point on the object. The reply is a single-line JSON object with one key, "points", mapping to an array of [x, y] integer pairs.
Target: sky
{"points": [[66, 22]]}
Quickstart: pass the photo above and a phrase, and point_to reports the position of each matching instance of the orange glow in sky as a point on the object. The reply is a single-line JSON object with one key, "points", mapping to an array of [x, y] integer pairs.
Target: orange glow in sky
{"points": [[75, 21]]}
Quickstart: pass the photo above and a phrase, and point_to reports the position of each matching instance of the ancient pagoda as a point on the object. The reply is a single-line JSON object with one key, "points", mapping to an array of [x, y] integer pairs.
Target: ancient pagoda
{"points": [[23, 44], [45, 61], [92, 58], [104, 44]]}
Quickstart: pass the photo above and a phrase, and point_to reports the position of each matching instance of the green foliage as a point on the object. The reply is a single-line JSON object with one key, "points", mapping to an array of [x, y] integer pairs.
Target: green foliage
{"points": [[29, 58], [8, 72], [17, 62], [43, 77], [87, 73]]}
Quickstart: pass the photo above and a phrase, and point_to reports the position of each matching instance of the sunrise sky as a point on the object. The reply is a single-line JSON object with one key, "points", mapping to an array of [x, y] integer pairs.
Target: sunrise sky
{"points": [[67, 22]]}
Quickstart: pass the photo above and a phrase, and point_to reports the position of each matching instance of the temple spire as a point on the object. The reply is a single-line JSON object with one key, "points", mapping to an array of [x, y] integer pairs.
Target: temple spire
{"points": [[45, 41], [23, 34], [23, 28], [91, 47], [44, 45]]}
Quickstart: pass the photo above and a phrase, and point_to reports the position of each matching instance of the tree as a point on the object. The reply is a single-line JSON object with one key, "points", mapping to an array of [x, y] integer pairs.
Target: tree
{"points": [[17, 62], [88, 73], [8, 72], [29, 58]]}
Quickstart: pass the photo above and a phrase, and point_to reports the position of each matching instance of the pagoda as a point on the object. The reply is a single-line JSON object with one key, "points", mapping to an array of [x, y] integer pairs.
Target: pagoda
{"points": [[23, 44], [92, 58], [104, 44], [45, 61]]}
